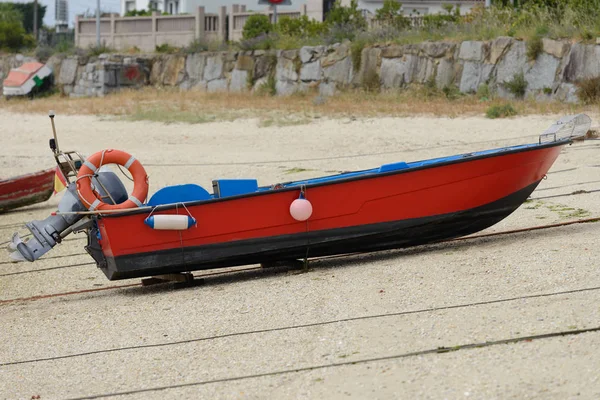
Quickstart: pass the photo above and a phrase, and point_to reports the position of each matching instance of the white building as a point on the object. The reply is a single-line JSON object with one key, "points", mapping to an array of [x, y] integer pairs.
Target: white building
{"points": [[316, 9], [419, 7], [190, 6], [61, 15]]}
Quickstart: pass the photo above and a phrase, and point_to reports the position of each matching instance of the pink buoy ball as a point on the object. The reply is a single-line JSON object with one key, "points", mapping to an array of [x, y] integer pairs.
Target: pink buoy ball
{"points": [[301, 209]]}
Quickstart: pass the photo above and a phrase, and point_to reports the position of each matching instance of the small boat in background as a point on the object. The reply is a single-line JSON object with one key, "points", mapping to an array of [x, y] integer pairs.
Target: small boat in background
{"points": [[27, 189], [183, 228], [27, 79]]}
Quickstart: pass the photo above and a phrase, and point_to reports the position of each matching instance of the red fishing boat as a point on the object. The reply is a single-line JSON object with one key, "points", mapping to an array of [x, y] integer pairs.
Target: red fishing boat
{"points": [[27, 189], [185, 228]]}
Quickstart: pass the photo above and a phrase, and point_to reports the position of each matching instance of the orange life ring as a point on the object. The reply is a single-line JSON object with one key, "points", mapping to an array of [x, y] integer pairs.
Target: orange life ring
{"points": [[84, 180]]}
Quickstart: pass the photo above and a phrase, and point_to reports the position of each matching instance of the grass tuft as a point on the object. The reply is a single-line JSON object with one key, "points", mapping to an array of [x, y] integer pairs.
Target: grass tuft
{"points": [[500, 111]]}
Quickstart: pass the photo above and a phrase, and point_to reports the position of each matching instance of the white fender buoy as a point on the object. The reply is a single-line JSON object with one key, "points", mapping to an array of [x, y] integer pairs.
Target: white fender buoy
{"points": [[170, 222], [301, 209]]}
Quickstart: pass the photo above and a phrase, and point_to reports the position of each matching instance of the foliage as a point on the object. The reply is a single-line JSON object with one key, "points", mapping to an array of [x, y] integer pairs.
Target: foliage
{"points": [[500, 111], [535, 47], [391, 15], [12, 33], [166, 48], [517, 86], [452, 92], [344, 22], [139, 13], [26, 10], [484, 92], [269, 87], [97, 50], [256, 25], [588, 90], [299, 27]]}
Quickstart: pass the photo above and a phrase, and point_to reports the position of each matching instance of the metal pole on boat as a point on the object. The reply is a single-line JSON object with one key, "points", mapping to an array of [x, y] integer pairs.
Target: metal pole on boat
{"points": [[51, 115]]}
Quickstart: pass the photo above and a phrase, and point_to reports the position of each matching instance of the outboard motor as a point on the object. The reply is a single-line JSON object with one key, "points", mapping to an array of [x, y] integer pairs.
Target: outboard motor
{"points": [[71, 211], [49, 232]]}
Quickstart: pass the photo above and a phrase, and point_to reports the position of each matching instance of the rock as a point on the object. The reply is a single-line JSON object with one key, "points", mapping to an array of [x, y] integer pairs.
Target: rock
{"points": [[473, 75], [285, 88], [244, 63], [543, 72], [471, 51], [309, 53], [174, 70], [392, 52], [498, 47], [239, 81], [425, 69], [567, 92], [584, 62], [264, 65], [68, 71], [311, 71], [438, 49], [327, 89], [289, 54], [217, 85], [259, 83], [339, 53], [213, 69], [395, 72], [370, 60], [194, 67], [286, 70], [445, 73], [513, 63], [555, 47], [339, 72]]}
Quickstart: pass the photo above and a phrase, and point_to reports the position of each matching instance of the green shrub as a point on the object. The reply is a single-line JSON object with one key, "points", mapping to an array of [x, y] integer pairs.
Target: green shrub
{"points": [[97, 50], [256, 25], [13, 36], [588, 90], [535, 47], [166, 48], [547, 90], [269, 87], [452, 92], [390, 14], [299, 27], [500, 111], [517, 86], [346, 16], [483, 92], [356, 48]]}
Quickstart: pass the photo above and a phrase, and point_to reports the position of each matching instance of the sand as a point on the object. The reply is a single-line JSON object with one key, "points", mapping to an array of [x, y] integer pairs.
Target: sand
{"points": [[358, 326]]}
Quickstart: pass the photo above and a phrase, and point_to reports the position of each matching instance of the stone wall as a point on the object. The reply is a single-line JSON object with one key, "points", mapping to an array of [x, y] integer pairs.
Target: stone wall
{"points": [[329, 69]]}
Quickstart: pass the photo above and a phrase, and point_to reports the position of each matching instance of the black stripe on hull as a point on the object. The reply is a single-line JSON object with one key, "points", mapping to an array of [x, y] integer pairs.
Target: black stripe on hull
{"points": [[380, 236]]}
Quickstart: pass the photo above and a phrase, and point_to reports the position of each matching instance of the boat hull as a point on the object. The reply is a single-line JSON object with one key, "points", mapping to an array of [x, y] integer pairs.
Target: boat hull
{"points": [[364, 238], [391, 210], [26, 190]]}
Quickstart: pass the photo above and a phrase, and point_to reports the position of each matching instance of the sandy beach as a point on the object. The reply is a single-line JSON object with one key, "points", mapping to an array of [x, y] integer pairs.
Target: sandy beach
{"points": [[367, 326]]}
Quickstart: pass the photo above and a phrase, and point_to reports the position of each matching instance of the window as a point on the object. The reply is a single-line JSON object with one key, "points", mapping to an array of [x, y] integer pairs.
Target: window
{"points": [[129, 6]]}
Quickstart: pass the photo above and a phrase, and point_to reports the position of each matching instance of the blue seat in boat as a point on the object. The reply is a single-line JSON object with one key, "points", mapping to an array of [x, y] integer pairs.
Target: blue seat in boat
{"points": [[178, 194], [393, 167], [234, 187]]}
